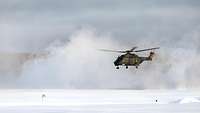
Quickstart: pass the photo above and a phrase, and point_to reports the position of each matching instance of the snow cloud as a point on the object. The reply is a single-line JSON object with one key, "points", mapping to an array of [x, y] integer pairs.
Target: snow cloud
{"points": [[73, 31]]}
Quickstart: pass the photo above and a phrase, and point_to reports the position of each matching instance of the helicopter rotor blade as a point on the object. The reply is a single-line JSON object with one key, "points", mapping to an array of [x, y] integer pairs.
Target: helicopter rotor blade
{"points": [[147, 49], [132, 49], [106, 50]]}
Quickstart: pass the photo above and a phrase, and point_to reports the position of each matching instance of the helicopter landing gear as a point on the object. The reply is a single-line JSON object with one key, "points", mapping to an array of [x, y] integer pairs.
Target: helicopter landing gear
{"points": [[117, 67], [126, 67]]}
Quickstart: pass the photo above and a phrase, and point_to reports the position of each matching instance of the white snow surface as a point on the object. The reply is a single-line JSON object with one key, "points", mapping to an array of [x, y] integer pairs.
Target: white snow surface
{"points": [[99, 101], [189, 100]]}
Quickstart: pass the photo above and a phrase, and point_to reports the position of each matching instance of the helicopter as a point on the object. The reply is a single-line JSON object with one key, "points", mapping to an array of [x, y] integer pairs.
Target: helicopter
{"points": [[129, 58]]}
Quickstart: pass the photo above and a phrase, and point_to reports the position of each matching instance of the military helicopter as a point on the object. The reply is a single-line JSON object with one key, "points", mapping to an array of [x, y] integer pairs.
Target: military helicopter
{"points": [[130, 58]]}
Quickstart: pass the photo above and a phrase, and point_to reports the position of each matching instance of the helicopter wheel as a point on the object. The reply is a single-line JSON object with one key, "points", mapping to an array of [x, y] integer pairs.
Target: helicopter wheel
{"points": [[117, 67], [126, 67]]}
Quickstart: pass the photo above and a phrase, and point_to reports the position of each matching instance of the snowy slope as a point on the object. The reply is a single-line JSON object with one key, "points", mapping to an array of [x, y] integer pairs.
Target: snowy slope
{"points": [[95, 101], [95, 97]]}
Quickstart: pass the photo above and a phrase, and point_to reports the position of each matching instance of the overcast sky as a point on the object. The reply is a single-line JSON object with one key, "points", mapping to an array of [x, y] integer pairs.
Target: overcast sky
{"points": [[34, 24]]}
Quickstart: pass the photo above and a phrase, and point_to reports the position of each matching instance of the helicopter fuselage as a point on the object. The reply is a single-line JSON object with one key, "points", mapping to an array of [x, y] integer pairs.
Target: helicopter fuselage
{"points": [[130, 59]]}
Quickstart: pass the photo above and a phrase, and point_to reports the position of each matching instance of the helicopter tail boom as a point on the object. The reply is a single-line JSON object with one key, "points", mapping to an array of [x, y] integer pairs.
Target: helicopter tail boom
{"points": [[149, 58], [151, 55]]}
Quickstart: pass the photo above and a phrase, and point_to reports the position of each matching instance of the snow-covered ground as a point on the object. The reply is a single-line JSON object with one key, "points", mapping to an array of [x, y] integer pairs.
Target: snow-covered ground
{"points": [[99, 101]]}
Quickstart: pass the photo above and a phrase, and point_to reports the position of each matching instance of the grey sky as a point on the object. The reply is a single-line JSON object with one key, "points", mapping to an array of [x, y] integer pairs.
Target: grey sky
{"points": [[37, 23]]}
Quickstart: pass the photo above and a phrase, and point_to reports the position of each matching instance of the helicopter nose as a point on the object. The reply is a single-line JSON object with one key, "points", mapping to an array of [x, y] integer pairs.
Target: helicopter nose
{"points": [[115, 63]]}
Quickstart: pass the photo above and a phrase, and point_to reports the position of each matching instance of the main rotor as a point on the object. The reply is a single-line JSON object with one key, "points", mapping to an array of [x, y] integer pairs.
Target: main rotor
{"points": [[133, 49]]}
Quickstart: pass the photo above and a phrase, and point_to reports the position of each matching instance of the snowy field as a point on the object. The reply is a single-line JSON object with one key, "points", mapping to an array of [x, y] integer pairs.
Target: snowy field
{"points": [[99, 101]]}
